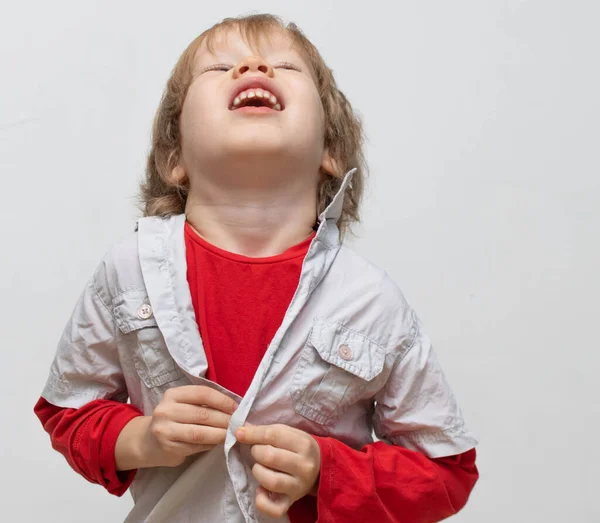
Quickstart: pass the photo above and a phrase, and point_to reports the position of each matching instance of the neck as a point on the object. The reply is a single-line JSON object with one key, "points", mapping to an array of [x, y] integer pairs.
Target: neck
{"points": [[256, 221]]}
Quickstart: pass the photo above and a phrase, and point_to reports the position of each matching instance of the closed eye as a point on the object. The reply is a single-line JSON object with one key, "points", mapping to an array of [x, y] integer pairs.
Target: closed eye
{"points": [[217, 67], [287, 65]]}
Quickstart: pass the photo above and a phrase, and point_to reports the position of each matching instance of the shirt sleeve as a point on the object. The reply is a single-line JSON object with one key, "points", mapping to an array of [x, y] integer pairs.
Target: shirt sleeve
{"points": [[87, 437], [391, 484], [86, 366], [416, 409]]}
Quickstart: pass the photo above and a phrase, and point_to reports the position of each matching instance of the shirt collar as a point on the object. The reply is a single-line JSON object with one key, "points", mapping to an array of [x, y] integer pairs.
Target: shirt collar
{"points": [[334, 209], [162, 255], [328, 232]]}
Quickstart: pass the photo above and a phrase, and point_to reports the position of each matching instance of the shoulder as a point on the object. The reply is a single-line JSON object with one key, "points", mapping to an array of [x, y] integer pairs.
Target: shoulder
{"points": [[369, 284], [360, 268], [119, 269]]}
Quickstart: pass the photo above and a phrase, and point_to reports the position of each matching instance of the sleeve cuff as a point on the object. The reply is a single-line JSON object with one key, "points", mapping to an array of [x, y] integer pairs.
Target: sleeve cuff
{"points": [[324, 490], [115, 481]]}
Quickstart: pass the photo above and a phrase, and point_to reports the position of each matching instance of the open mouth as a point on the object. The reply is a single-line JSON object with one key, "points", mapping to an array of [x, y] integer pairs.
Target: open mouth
{"points": [[256, 97]]}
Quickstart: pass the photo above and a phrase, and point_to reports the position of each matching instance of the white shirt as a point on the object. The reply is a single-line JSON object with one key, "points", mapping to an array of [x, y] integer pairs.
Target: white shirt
{"points": [[350, 359]]}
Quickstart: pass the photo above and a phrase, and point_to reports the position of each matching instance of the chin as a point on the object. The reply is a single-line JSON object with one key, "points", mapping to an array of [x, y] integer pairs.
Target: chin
{"points": [[257, 144]]}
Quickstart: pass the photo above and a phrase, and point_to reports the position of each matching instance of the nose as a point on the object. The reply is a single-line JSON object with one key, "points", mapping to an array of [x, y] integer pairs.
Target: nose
{"points": [[253, 64]]}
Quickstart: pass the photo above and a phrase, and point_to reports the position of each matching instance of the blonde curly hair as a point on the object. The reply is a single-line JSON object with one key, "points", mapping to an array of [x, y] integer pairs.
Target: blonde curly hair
{"points": [[160, 195]]}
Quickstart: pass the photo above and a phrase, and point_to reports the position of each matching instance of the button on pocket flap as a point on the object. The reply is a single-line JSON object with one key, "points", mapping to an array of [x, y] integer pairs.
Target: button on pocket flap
{"points": [[133, 311], [347, 349]]}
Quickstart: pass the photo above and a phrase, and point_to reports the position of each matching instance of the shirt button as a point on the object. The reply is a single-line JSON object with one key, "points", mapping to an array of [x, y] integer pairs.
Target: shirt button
{"points": [[144, 312], [345, 352]]}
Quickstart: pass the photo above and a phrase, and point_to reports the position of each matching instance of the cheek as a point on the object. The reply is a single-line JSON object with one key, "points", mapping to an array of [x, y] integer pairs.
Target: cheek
{"points": [[197, 119], [317, 112], [311, 116]]}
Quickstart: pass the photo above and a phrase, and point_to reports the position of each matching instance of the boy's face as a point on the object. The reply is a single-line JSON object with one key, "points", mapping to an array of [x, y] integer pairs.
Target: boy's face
{"points": [[252, 105]]}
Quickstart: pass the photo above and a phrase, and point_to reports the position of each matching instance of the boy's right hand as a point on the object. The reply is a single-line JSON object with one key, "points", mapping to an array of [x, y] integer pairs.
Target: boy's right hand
{"points": [[189, 420]]}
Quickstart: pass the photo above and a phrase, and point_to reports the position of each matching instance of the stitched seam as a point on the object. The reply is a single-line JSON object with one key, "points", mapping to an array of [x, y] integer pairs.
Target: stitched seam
{"points": [[359, 334], [353, 369], [314, 414], [97, 294], [313, 282], [293, 301], [175, 319], [130, 322], [162, 379], [413, 342], [401, 357], [437, 434], [127, 290], [259, 261], [77, 439], [417, 329], [57, 381], [111, 315], [333, 467], [357, 370], [325, 226]]}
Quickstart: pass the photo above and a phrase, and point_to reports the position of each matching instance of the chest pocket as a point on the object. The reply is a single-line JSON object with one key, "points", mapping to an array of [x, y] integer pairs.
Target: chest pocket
{"points": [[337, 367], [135, 319]]}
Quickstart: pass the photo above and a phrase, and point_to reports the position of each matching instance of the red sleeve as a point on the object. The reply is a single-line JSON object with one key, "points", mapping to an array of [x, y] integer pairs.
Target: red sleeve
{"points": [[390, 484], [87, 436]]}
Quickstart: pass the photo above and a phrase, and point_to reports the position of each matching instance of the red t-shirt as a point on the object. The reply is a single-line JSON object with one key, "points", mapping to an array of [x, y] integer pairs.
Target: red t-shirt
{"points": [[239, 304]]}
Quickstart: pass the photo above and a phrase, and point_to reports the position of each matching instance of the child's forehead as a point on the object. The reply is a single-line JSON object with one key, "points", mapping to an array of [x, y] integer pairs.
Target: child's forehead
{"points": [[260, 41]]}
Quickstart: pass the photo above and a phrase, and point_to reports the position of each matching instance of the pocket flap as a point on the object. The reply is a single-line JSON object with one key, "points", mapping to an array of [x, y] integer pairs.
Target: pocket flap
{"points": [[347, 349], [132, 311]]}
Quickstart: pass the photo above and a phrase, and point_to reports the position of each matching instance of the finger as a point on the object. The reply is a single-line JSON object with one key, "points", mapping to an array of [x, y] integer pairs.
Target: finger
{"points": [[196, 434], [193, 414], [201, 395], [275, 481], [279, 436], [272, 504], [278, 459]]}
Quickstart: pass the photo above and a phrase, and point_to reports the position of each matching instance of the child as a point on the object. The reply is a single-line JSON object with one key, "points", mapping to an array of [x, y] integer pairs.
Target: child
{"points": [[258, 353]]}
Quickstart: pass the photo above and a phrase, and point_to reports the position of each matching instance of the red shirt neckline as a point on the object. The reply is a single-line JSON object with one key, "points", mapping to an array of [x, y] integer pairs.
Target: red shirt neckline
{"points": [[295, 251]]}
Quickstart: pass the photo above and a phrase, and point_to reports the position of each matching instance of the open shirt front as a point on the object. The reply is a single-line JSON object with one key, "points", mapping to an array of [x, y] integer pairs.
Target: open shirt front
{"points": [[349, 360]]}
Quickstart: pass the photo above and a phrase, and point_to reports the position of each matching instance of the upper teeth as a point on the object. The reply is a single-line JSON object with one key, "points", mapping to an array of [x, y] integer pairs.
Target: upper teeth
{"points": [[261, 94]]}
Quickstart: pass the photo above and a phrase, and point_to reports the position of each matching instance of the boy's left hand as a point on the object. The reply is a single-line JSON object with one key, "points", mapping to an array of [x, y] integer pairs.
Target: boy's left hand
{"points": [[288, 462]]}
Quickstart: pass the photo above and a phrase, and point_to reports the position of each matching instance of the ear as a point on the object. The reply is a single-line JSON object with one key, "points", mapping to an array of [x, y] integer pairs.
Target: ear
{"points": [[178, 175], [329, 165]]}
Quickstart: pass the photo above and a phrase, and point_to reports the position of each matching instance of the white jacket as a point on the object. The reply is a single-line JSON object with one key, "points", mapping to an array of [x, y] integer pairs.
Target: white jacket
{"points": [[350, 359]]}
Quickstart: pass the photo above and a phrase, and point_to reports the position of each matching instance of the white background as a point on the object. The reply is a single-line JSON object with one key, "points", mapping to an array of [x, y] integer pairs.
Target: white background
{"points": [[484, 204]]}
